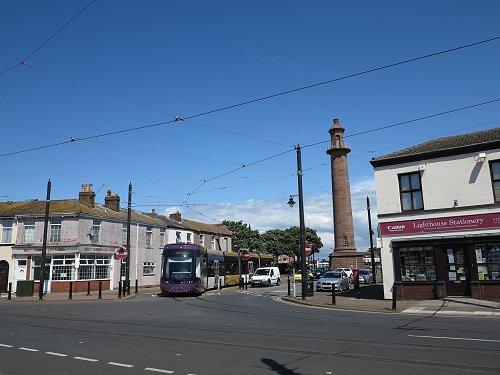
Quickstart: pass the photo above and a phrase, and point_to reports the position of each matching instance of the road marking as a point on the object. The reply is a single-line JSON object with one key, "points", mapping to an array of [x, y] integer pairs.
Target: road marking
{"points": [[5, 346], [452, 338], [86, 359], [56, 354], [120, 364], [158, 370], [29, 349]]}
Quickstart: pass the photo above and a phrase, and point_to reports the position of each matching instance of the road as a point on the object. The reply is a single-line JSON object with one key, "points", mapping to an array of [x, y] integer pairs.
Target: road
{"points": [[237, 332]]}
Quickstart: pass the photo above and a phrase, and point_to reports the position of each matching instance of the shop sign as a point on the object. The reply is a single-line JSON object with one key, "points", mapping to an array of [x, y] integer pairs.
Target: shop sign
{"points": [[445, 224]]}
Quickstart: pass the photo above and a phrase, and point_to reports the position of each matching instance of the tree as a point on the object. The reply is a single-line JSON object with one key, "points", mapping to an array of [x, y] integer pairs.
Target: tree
{"points": [[243, 236], [287, 242]]}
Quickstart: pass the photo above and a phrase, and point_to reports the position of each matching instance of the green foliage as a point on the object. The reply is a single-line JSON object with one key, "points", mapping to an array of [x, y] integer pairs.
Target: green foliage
{"points": [[275, 241]]}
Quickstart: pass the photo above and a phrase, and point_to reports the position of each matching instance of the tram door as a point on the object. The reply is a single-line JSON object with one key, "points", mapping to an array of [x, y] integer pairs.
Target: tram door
{"points": [[458, 283], [216, 273]]}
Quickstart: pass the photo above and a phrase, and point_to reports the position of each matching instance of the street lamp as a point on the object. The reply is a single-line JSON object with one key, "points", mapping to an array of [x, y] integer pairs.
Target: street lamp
{"points": [[302, 237]]}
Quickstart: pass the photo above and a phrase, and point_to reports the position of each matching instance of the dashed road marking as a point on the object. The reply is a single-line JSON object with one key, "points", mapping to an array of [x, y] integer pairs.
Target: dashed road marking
{"points": [[453, 338], [120, 364], [158, 370], [29, 349], [56, 354], [86, 359], [6, 346]]}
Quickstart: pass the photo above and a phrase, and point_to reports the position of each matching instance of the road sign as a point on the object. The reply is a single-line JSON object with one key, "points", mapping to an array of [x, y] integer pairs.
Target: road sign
{"points": [[308, 249], [245, 255], [121, 253]]}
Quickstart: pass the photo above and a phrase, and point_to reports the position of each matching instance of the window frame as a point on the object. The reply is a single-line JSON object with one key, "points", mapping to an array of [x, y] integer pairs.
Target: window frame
{"points": [[55, 230], [412, 191], [7, 230], [149, 237], [29, 227], [496, 198]]}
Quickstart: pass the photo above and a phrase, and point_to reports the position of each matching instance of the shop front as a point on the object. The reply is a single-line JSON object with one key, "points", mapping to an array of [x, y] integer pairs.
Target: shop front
{"points": [[450, 256], [80, 265]]}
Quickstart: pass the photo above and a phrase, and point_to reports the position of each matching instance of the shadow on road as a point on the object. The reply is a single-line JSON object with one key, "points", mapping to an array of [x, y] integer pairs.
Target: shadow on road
{"points": [[278, 368]]}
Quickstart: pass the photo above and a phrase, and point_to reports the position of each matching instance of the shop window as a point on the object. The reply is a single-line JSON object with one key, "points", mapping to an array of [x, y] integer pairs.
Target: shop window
{"points": [[36, 262], [63, 267], [410, 190], [495, 179], [417, 263], [488, 261], [94, 267]]}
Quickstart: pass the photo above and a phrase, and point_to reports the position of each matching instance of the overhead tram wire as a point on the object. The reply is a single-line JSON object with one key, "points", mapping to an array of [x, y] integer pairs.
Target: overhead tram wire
{"points": [[179, 118], [23, 61]]}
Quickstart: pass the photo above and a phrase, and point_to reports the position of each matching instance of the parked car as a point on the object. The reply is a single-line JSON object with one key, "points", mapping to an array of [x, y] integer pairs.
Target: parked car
{"points": [[320, 271], [348, 272], [365, 276], [333, 280], [265, 276], [298, 275]]}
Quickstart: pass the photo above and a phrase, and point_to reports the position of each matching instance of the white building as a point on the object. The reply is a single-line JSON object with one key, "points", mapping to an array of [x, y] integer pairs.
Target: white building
{"points": [[439, 214]]}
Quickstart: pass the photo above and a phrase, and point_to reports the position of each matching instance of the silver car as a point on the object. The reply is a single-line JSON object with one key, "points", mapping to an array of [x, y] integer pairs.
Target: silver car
{"points": [[365, 276], [333, 279]]}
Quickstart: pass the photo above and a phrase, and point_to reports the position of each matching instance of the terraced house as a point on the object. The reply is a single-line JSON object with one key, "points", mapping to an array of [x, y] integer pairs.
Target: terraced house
{"points": [[83, 237]]}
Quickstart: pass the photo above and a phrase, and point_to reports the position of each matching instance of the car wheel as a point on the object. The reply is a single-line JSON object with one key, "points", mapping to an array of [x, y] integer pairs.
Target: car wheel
{"points": [[278, 282]]}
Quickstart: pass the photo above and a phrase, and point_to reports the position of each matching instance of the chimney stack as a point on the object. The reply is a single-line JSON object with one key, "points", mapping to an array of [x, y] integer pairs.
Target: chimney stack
{"points": [[176, 216], [112, 201], [87, 196]]}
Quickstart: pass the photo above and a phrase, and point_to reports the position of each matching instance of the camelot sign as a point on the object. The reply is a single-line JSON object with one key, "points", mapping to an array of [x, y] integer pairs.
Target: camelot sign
{"points": [[444, 224]]}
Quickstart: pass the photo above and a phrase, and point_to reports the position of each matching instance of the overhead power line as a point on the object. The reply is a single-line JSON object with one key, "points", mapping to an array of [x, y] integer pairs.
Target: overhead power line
{"points": [[48, 39], [180, 119]]}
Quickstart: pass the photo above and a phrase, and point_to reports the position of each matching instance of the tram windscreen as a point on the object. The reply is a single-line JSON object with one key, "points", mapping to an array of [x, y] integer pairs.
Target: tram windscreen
{"points": [[178, 267]]}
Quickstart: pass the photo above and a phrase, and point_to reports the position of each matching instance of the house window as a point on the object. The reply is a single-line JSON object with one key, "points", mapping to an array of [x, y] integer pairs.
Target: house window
{"points": [[162, 238], [149, 236], [148, 268], [178, 238], [410, 190], [29, 230], [55, 230], [226, 244], [212, 242], [495, 179], [124, 234], [188, 236], [417, 263], [96, 230], [488, 261], [202, 239], [7, 230]]}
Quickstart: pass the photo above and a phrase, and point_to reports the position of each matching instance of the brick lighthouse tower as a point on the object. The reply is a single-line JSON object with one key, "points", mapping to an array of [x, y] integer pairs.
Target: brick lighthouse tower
{"points": [[344, 253]]}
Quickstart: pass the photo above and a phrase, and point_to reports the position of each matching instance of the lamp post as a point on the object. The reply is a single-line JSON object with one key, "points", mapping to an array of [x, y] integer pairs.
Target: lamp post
{"points": [[372, 251], [302, 236]]}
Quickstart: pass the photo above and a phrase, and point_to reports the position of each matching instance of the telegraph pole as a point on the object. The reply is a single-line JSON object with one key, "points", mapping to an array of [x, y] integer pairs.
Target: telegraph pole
{"points": [[129, 219], [44, 243], [372, 251]]}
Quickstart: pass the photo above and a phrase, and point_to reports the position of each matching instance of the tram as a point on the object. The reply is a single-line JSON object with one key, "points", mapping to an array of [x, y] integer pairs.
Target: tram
{"points": [[192, 269]]}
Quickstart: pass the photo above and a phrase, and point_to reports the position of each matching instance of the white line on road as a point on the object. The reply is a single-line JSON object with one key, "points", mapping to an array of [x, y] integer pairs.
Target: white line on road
{"points": [[453, 338], [120, 364], [158, 370], [86, 359], [56, 354], [29, 349], [5, 346]]}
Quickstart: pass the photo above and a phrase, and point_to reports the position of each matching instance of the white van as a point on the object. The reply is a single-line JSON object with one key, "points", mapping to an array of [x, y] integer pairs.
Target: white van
{"points": [[266, 276]]}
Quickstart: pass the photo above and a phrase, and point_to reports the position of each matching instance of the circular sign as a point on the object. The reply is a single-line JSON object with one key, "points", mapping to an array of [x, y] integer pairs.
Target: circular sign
{"points": [[308, 249], [121, 253], [245, 255]]}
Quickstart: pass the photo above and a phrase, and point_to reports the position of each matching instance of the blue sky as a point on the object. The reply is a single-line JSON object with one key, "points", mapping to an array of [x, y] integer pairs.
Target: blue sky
{"points": [[126, 64]]}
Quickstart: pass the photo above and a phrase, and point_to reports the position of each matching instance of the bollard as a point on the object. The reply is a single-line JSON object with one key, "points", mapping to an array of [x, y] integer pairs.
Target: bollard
{"points": [[10, 292], [394, 295], [136, 286], [100, 290], [88, 288], [120, 289], [289, 293], [220, 284], [334, 302], [124, 288], [70, 290]]}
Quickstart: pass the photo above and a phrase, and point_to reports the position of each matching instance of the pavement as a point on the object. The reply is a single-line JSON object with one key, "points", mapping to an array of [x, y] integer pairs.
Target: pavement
{"points": [[367, 298]]}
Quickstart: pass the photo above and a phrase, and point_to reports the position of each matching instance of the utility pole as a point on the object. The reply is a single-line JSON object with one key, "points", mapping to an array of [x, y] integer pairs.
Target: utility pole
{"points": [[129, 219], [372, 251], [44, 243]]}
